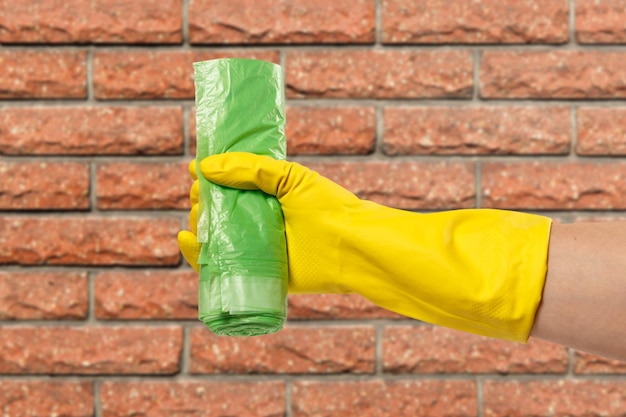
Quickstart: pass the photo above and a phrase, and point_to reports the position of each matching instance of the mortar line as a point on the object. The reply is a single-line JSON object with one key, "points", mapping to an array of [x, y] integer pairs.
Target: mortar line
{"points": [[377, 24]]}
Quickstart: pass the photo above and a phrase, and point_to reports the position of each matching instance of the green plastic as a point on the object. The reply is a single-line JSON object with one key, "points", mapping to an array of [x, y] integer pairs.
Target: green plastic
{"points": [[240, 107]]}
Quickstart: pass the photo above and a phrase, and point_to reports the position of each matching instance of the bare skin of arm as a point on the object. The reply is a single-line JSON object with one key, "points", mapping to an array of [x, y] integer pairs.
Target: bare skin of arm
{"points": [[584, 299]]}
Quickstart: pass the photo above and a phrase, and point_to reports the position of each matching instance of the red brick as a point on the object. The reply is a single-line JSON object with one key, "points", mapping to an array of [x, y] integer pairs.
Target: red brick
{"points": [[154, 74], [146, 295], [384, 398], [553, 74], [88, 241], [292, 350], [406, 185], [43, 295], [46, 398], [600, 21], [43, 74], [91, 131], [554, 398], [200, 399], [601, 131], [543, 185], [97, 21], [379, 74], [90, 350], [467, 21], [281, 21], [476, 130], [335, 306], [586, 363], [122, 185], [44, 185], [435, 350], [330, 131]]}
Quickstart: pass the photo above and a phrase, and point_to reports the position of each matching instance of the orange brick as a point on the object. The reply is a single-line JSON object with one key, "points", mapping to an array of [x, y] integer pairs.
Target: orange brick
{"points": [[601, 131], [600, 21], [379, 74], [335, 306], [96, 21], [281, 21], [470, 21], [587, 363], [21, 398]]}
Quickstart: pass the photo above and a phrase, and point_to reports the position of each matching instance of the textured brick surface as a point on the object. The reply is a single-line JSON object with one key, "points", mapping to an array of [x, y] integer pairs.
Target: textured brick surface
{"points": [[98, 21], [91, 130], [292, 350], [335, 306], [564, 185], [44, 185], [408, 185], [122, 185], [154, 74], [90, 350], [427, 349], [600, 21], [601, 131], [198, 399], [383, 398], [476, 130], [282, 21], [470, 21], [330, 131], [586, 363], [43, 295], [42, 74], [41, 398], [146, 295], [88, 241], [554, 398], [379, 74], [553, 75]]}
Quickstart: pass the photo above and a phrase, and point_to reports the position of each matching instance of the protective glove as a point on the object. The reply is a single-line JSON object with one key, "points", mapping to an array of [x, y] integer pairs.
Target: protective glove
{"points": [[477, 270]]}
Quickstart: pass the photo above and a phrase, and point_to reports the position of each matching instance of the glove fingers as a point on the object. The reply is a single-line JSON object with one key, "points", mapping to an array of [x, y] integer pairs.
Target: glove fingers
{"points": [[247, 171], [192, 169], [189, 247], [194, 192], [193, 219]]}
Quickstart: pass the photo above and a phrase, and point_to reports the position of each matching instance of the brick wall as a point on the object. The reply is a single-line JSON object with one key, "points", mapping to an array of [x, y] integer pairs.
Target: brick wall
{"points": [[512, 104]]}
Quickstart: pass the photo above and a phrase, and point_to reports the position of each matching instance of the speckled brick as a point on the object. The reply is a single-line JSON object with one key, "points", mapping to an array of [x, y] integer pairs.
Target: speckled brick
{"points": [[97, 21], [587, 363], [406, 185], [44, 185], [43, 295], [154, 74], [91, 130], [148, 186], [379, 74], [281, 21], [434, 350], [566, 74], [476, 130], [600, 21], [601, 131], [471, 21], [43, 74], [335, 306], [554, 398], [200, 399], [88, 241], [27, 398], [317, 350], [90, 350], [330, 131], [384, 398], [146, 295], [553, 185]]}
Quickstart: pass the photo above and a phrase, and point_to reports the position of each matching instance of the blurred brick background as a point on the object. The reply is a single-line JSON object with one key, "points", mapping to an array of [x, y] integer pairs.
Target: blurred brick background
{"points": [[418, 104]]}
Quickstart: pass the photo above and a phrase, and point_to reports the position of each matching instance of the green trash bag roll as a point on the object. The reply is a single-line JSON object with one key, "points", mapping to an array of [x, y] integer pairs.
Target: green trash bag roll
{"points": [[242, 291]]}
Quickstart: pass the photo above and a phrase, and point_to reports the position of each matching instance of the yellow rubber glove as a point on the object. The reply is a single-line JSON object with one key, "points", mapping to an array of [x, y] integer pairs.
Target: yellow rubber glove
{"points": [[480, 270]]}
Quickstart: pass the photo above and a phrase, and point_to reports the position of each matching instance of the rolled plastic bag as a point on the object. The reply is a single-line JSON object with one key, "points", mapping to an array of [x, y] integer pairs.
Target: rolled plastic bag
{"points": [[242, 291]]}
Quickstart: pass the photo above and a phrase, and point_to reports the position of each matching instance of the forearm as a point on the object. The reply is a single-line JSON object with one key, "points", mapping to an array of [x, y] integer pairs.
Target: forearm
{"points": [[584, 299]]}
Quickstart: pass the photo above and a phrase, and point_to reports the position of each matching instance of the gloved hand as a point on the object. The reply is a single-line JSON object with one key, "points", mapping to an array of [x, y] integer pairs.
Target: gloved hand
{"points": [[480, 270]]}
